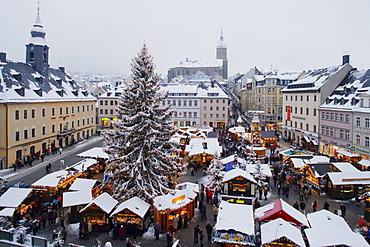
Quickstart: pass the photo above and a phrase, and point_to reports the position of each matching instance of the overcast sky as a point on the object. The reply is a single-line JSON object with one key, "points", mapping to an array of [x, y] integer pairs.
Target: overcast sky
{"points": [[102, 36]]}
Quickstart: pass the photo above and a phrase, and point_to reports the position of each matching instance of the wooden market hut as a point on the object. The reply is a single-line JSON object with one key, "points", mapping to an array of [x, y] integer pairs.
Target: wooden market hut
{"points": [[166, 207], [133, 210], [284, 234], [98, 210], [269, 138], [346, 185], [234, 226], [202, 150], [344, 155], [238, 182]]}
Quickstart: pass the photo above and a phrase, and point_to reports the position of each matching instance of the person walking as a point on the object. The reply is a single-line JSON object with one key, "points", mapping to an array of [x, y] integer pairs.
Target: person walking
{"points": [[209, 229], [265, 193], [301, 193], [296, 205], [214, 212], [201, 237], [169, 236], [196, 233], [314, 206], [326, 206], [157, 230], [186, 220], [287, 189], [306, 194], [302, 206], [175, 222], [343, 208]]}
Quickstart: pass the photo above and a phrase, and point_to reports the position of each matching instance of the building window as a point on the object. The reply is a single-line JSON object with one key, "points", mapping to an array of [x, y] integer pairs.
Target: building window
{"points": [[358, 121], [314, 128], [33, 113], [195, 103], [83, 122], [92, 108], [358, 139], [43, 112], [332, 132], [331, 116], [106, 102], [67, 110], [88, 120], [17, 137], [205, 101], [367, 123], [336, 117], [174, 102], [60, 127], [111, 111], [43, 130], [205, 115], [341, 134], [25, 134], [314, 112], [322, 115], [217, 115], [33, 132], [301, 111], [184, 103], [101, 102], [53, 128], [323, 130], [189, 114], [101, 111], [347, 118], [327, 116], [223, 116], [307, 127], [73, 109], [190, 103], [362, 102], [60, 110], [53, 111], [25, 114], [205, 108], [73, 124], [179, 103], [211, 108], [314, 98], [347, 135], [367, 141], [78, 123], [342, 118], [16, 114], [195, 114], [307, 111], [295, 109], [111, 102], [83, 108], [308, 97], [78, 108], [327, 131], [106, 111]]}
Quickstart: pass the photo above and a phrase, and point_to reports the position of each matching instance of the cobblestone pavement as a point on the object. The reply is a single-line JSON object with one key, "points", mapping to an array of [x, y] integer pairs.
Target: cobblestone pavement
{"points": [[186, 235]]}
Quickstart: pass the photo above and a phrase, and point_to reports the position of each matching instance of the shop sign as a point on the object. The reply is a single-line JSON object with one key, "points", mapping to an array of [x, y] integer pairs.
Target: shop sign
{"points": [[361, 150], [105, 119], [178, 199], [355, 179]]}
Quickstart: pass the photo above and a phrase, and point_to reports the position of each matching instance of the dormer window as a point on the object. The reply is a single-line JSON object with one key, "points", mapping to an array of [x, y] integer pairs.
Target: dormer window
{"points": [[361, 102], [38, 92], [60, 92], [20, 91], [60, 82]]}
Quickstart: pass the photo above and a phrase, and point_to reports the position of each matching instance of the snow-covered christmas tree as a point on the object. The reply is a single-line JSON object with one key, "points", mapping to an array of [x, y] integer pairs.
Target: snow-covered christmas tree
{"points": [[141, 158]]}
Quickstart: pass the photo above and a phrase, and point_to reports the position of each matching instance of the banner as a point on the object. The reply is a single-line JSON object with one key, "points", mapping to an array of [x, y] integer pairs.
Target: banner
{"points": [[288, 113]]}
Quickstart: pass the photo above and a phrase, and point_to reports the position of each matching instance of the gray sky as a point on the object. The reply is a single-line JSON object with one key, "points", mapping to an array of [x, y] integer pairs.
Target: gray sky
{"points": [[102, 36]]}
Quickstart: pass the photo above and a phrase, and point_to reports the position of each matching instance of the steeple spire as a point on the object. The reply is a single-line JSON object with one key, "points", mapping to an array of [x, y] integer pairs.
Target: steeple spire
{"points": [[222, 36]]}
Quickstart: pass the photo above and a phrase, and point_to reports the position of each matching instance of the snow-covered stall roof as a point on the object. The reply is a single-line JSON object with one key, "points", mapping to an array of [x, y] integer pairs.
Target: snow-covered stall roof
{"points": [[52, 179], [196, 146], [135, 205], [344, 178], [278, 228], [345, 167], [14, 197], [191, 190], [238, 173], [364, 162], [238, 129], [337, 231], [300, 162], [83, 165], [7, 212], [264, 169], [75, 198], [235, 217], [280, 209], [105, 202], [83, 184], [96, 152], [171, 202], [348, 154]]}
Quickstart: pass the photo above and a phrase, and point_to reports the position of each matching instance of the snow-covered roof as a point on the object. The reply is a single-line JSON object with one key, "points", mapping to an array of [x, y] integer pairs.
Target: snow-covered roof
{"points": [[171, 202], [238, 129], [196, 146], [14, 197], [278, 228], [364, 162], [265, 169], [105, 202], [231, 158], [52, 179], [238, 173], [337, 231], [280, 209], [233, 216], [348, 154], [21, 83], [82, 165], [83, 184], [75, 198], [344, 178], [7, 212], [188, 186], [345, 167], [96, 152], [198, 63], [300, 162], [135, 205]]}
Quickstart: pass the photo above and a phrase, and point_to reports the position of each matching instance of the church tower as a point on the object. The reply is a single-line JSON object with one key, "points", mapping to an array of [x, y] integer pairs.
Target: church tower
{"points": [[221, 53], [37, 52]]}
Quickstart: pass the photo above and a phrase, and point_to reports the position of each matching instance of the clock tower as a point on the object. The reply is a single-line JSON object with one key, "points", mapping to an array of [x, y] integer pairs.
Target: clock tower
{"points": [[37, 51]]}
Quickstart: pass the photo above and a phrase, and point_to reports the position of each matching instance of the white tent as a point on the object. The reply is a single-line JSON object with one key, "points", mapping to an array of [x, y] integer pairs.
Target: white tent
{"points": [[7, 212], [329, 229], [52, 179], [75, 198], [278, 228], [135, 205], [83, 184], [82, 165], [196, 146], [96, 152], [364, 162], [105, 202], [14, 197]]}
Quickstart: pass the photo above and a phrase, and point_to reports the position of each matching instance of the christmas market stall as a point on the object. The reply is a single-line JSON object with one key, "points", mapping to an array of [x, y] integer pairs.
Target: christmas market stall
{"points": [[167, 207], [234, 226], [238, 182], [328, 229], [98, 210], [284, 234], [269, 138], [203, 150], [86, 167], [364, 164], [280, 209], [346, 185], [257, 152], [52, 183], [344, 155], [133, 210], [19, 202], [99, 155]]}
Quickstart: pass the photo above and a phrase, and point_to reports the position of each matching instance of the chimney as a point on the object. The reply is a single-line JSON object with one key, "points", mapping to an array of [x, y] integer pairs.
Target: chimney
{"points": [[63, 69], [2, 57], [345, 59]]}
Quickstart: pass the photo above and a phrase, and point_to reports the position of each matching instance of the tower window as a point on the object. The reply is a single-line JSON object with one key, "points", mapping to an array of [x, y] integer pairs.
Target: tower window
{"points": [[32, 56]]}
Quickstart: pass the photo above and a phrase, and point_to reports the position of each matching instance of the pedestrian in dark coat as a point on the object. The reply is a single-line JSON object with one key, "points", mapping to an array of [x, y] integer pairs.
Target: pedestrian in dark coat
{"points": [[302, 206], [186, 220], [296, 206], [209, 229], [157, 230], [343, 208], [196, 232], [326, 206]]}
